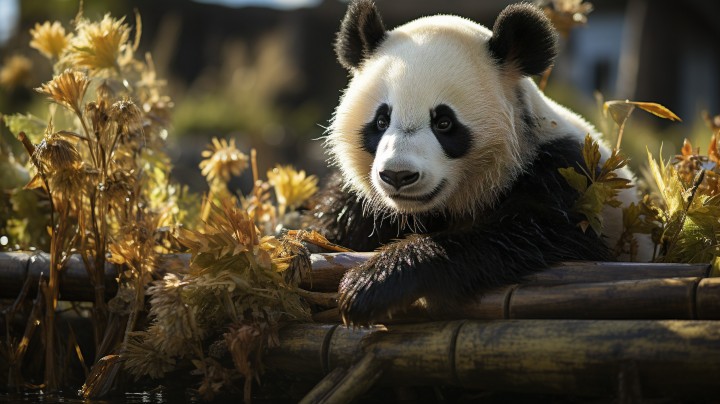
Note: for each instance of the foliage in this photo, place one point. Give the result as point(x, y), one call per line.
point(96, 184)
point(598, 185)
point(620, 111)
point(566, 14)
point(236, 284)
point(681, 211)
point(688, 205)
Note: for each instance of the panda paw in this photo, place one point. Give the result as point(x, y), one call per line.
point(371, 292)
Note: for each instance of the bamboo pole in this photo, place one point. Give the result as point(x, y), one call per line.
point(324, 387)
point(578, 357)
point(358, 380)
point(668, 298)
point(328, 269)
point(74, 282)
point(708, 299)
point(585, 290)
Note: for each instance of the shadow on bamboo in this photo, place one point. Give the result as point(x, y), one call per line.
point(577, 357)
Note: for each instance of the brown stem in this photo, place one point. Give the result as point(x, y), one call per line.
point(87, 135)
point(621, 128)
point(51, 297)
point(544, 78)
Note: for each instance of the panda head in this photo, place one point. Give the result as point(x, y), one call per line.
point(429, 120)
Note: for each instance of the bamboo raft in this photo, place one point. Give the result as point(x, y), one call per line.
point(624, 330)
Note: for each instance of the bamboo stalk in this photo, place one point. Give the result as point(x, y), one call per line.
point(358, 380)
point(708, 299)
point(584, 290)
point(669, 298)
point(324, 387)
point(75, 283)
point(328, 269)
point(577, 357)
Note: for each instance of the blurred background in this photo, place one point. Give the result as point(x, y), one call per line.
point(264, 72)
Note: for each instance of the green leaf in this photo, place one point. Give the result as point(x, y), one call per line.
point(577, 181)
point(33, 126)
point(592, 201)
point(618, 183)
point(669, 185)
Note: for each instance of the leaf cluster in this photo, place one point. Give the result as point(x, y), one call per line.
point(687, 210)
point(597, 183)
point(235, 283)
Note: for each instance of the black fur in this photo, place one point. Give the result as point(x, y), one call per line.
point(361, 32)
point(371, 133)
point(455, 142)
point(531, 227)
point(523, 39)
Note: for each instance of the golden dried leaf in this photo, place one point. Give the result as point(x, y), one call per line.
point(222, 161)
point(35, 182)
point(591, 155)
point(619, 110)
point(668, 183)
point(292, 187)
point(657, 110)
point(317, 239)
point(613, 163)
point(687, 148)
point(713, 153)
point(50, 39)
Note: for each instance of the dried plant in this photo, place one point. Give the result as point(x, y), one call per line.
point(620, 112)
point(50, 39)
point(98, 46)
point(15, 72)
point(222, 161)
point(104, 172)
point(235, 281)
point(686, 203)
point(564, 15)
point(599, 185)
point(292, 187)
point(67, 89)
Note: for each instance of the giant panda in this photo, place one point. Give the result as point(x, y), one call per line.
point(447, 158)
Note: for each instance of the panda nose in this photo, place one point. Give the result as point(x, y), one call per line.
point(399, 179)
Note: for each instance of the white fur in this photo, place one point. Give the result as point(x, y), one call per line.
point(444, 60)
point(428, 61)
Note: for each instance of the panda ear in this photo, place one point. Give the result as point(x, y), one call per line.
point(361, 32)
point(523, 40)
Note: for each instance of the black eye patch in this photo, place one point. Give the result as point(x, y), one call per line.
point(372, 131)
point(454, 137)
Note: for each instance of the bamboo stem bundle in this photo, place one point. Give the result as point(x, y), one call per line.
point(585, 290)
point(354, 382)
point(328, 269)
point(578, 357)
point(74, 282)
point(667, 298)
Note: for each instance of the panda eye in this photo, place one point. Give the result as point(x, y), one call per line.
point(382, 122)
point(443, 124)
